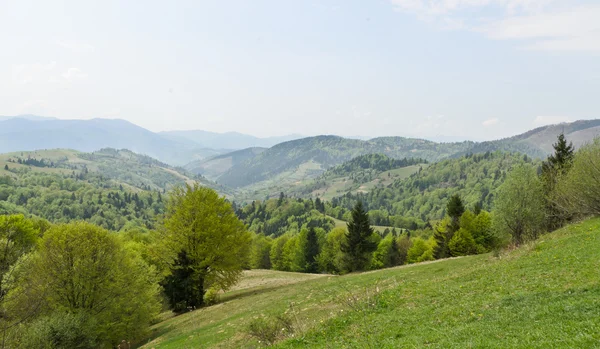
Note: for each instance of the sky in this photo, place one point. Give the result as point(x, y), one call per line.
point(437, 69)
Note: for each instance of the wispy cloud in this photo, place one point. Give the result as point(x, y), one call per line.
point(490, 122)
point(557, 25)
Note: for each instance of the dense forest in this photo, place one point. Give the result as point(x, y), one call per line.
point(422, 197)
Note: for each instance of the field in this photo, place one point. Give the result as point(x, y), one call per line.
point(543, 295)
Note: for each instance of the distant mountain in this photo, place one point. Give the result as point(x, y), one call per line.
point(23, 134)
point(217, 165)
point(294, 161)
point(228, 140)
point(308, 157)
point(27, 117)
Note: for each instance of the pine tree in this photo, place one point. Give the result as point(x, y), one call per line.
point(310, 251)
point(358, 246)
point(6, 167)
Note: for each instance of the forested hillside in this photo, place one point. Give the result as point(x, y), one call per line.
point(215, 166)
point(360, 174)
point(423, 196)
point(110, 188)
point(312, 156)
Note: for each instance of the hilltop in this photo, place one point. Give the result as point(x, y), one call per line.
point(293, 162)
point(545, 294)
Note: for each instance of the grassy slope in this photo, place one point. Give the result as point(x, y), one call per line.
point(544, 295)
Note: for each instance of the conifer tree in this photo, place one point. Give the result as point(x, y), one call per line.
point(445, 230)
point(358, 246)
point(556, 165)
point(311, 251)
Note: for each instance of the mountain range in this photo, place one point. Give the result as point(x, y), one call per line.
point(250, 163)
point(32, 132)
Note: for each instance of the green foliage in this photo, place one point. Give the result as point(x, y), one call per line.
point(420, 251)
point(310, 250)
point(61, 330)
point(260, 252)
point(208, 245)
point(276, 217)
point(331, 258)
point(578, 191)
point(83, 269)
point(61, 199)
point(276, 254)
point(424, 196)
point(329, 151)
point(386, 255)
point(555, 167)
point(462, 243)
point(358, 244)
point(519, 206)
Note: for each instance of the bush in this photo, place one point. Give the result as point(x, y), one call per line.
point(269, 330)
point(211, 296)
point(60, 330)
point(578, 192)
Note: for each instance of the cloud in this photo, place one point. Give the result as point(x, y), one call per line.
point(552, 25)
point(550, 119)
point(490, 122)
point(74, 74)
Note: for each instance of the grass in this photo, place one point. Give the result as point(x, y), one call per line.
point(542, 295)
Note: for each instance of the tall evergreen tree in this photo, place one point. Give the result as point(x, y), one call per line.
point(444, 232)
point(556, 165)
point(358, 245)
point(563, 155)
point(395, 257)
point(311, 251)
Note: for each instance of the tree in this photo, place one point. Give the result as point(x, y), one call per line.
point(310, 249)
point(462, 243)
point(455, 210)
point(563, 155)
point(556, 166)
point(260, 252)
point(358, 244)
point(519, 205)
point(578, 192)
point(18, 236)
point(82, 269)
point(276, 253)
point(331, 258)
point(442, 234)
point(445, 230)
point(420, 251)
point(207, 242)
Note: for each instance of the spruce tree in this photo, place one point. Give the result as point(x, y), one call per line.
point(556, 165)
point(445, 230)
point(358, 246)
point(310, 251)
point(395, 257)
point(563, 155)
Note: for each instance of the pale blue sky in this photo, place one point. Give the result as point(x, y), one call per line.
point(466, 69)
